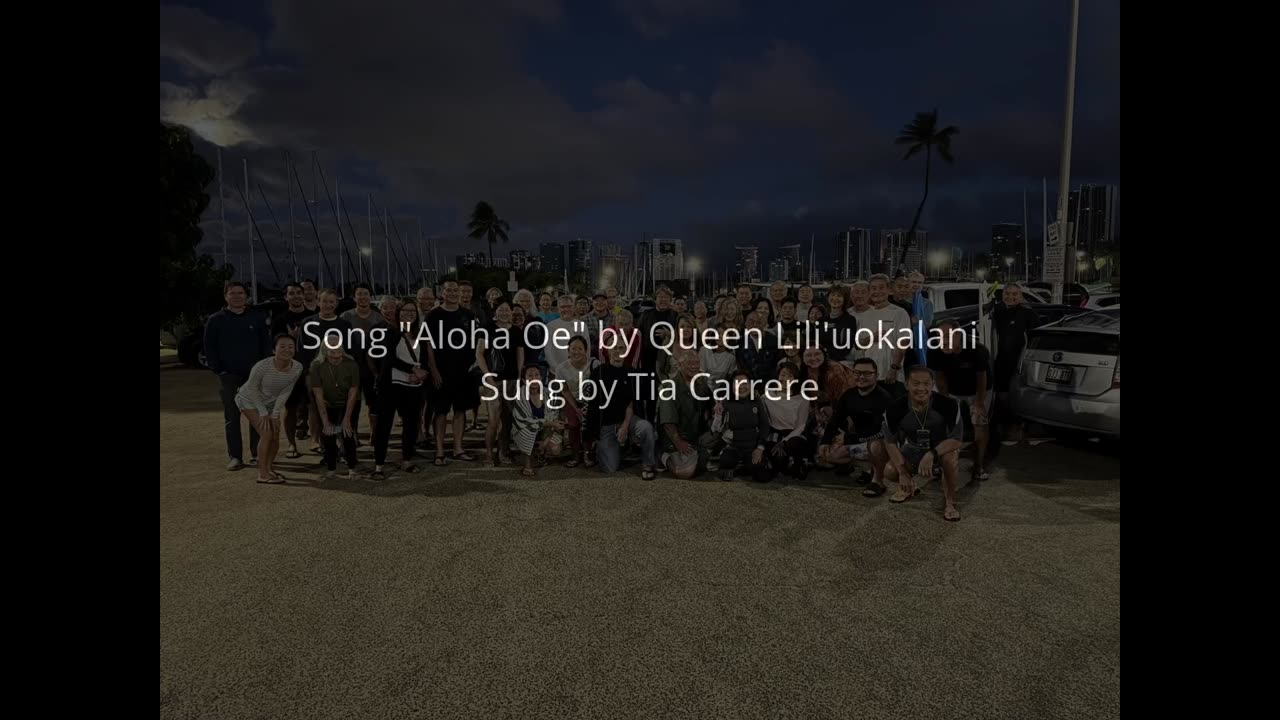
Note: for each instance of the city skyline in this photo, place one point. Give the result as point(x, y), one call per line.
point(776, 127)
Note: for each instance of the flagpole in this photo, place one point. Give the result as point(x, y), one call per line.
point(222, 209)
point(1026, 254)
point(253, 273)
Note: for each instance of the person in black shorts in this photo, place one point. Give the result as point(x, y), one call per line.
point(921, 431)
point(289, 323)
point(450, 358)
point(503, 355)
point(962, 373)
point(857, 423)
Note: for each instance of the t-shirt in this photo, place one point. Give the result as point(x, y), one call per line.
point(287, 321)
point(534, 335)
point(557, 350)
point(361, 343)
point(904, 304)
point(311, 339)
point(649, 351)
point(840, 336)
point(335, 380)
point(624, 393)
point(573, 376)
point(961, 369)
point(941, 420)
point(886, 321)
point(684, 411)
point(453, 354)
point(504, 362)
point(866, 412)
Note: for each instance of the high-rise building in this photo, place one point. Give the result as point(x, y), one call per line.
point(580, 261)
point(851, 254)
point(521, 260)
point(613, 266)
point(778, 269)
point(466, 259)
point(795, 268)
point(748, 265)
point(552, 257)
point(668, 259)
point(891, 242)
point(1008, 251)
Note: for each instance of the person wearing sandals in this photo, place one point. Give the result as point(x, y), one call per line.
point(964, 375)
point(400, 391)
point(923, 430)
point(618, 422)
point(502, 355)
point(538, 429)
point(335, 383)
point(856, 428)
point(788, 418)
point(573, 371)
point(453, 388)
point(262, 398)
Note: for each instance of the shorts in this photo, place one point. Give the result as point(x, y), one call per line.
point(859, 451)
point(966, 408)
point(301, 394)
point(458, 394)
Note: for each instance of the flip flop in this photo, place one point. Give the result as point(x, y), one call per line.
point(292, 454)
point(464, 457)
point(648, 475)
point(901, 496)
point(951, 515)
point(440, 462)
point(527, 472)
point(272, 479)
point(875, 489)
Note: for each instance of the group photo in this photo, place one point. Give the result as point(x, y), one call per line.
point(639, 359)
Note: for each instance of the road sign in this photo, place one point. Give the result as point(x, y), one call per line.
point(1053, 254)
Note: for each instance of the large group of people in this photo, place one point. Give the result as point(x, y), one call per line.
point(800, 387)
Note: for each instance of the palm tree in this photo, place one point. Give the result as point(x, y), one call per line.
point(486, 224)
point(924, 133)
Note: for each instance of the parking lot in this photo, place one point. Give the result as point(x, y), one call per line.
point(473, 592)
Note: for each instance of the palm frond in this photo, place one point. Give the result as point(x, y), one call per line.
point(914, 149)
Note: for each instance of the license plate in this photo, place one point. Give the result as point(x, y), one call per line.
point(1059, 374)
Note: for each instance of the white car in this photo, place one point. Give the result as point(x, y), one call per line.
point(1105, 300)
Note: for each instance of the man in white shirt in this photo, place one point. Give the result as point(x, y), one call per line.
point(884, 320)
point(557, 352)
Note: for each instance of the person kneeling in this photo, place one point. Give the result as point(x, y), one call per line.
point(921, 431)
point(743, 423)
point(539, 431)
point(617, 421)
point(684, 422)
point(857, 420)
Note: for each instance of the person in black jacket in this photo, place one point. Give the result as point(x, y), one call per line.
point(400, 390)
point(235, 339)
point(742, 424)
point(1011, 320)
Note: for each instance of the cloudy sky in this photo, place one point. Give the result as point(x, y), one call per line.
point(716, 121)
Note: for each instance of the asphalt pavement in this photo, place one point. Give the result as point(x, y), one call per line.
point(471, 592)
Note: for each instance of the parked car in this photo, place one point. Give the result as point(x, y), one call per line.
point(1103, 300)
point(945, 296)
point(968, 316)
point(1072, 294)
point(191, 344)
point(1069, 375)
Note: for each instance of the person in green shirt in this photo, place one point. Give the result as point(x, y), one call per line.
point(335, 384)
point(686, 434)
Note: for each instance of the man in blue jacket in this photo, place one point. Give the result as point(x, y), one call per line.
point(235, 338)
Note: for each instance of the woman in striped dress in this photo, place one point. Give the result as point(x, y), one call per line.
point(262, 398)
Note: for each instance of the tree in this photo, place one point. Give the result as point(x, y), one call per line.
point(190, 284)
point(486, 224)
point(923, 133)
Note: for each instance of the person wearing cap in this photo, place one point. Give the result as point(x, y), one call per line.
point(599, 318)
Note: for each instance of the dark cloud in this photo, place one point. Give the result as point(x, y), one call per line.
point(658, 18)
point(204, 44)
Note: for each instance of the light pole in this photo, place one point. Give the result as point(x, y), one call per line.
point(1064, 179)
